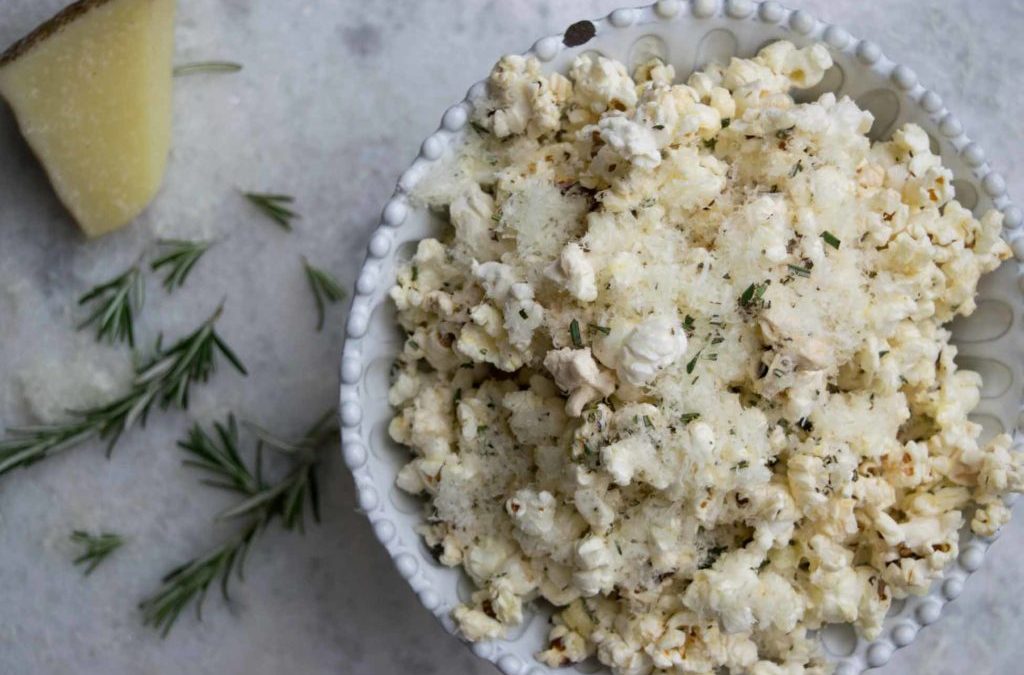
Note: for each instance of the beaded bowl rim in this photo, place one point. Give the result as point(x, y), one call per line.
point(924, 610)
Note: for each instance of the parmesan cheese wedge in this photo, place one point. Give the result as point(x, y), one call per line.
point(91, 90)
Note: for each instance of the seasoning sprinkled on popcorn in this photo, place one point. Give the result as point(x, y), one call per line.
point(680, 367)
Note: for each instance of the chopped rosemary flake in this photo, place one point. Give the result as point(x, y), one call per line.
point(831, 239)
point(799, 271)
point(523, 314)
point(496, 216)
point(713, 554)
point(574, 333)
point(710, 143)
point(659, 127)
point(753, 294)
point(717, 340)
point(712, 356)
point(747, 295)
point(415, 273)
point(693, 363)
point(743, 464)
point(647, 422)
point(797, 168)
point(883, 353)
point(207, 67)
point(688, 324)
point(783, 134)
point(686, 418)
point(726, 121)
point(603, 330)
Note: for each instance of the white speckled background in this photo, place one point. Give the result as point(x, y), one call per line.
point(333, 103)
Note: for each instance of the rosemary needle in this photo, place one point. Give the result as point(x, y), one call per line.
point(179, 258)
point(207, 67)
point(574, 334)
point(325, 288)
point(165, 380)
point(217, 455)
point(96, 548)
point(117, 302)
point(275, 207)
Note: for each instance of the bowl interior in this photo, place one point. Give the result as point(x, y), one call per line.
point(987, 343)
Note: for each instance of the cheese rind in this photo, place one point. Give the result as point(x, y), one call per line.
point(91, 90)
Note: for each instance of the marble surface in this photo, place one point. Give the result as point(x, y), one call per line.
point(332, 104)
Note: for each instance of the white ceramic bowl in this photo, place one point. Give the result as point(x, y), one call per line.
point(687, 35)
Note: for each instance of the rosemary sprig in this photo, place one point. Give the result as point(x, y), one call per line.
point(263, 503)
point(207, 67)
point(179, 258)
point(164, 380)
point(275, 207)
point(96, 548)
point(218, 455)
point(190, 581)
point(325, 287)
point(117, 302)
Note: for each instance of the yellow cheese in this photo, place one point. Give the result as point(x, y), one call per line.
point(91, 90)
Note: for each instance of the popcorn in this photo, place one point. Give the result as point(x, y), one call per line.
point(575, 273)
point(475, 625)
point(521, 99)
point(533, 513)
point(576, 372)
point(595, 559)
point(633, 142)
point(471, 214)
point(679, 366)
point(651, 347)
point(601, 84)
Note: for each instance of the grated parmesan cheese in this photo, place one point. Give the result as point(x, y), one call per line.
point(680, 366)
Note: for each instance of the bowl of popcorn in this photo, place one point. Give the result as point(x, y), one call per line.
point(684, 347)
